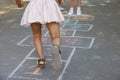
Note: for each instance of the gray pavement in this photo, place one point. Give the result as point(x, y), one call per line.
point(90, 44)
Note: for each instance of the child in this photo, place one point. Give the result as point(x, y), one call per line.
point(47, 12)
point(71, 11)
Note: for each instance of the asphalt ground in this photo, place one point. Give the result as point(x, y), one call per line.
point(90, 44)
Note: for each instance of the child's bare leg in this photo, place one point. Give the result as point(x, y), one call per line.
point(71, 10)
point(54, 33)
point(55, 37)
point(78, 7)
point(79, 3)
point(37, 34)
point(71, 3)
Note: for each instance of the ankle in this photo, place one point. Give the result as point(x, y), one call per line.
point(78, 11)
point(56, 45)
point(41, 57)
point(70, 11)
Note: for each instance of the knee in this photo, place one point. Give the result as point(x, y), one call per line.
point(55, 37)
point(36, 35)
point(56, 41)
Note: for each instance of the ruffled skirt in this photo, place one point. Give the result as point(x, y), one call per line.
point(42, 11)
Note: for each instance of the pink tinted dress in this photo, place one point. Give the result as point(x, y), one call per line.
point(42, 11)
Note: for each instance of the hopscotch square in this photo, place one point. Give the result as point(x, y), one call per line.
point(83, 17)
point(78, 42)
point(84, 33)
point(29, 71)
point(28, 41)
point(67, 41)
point(78, 27)
point(65, 51)
point(65, 33)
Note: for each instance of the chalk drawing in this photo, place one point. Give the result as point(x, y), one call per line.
point(47, 51)
point(66, 32)
point(70, 41)
point(35, 72)
point(83, 17)
point(63, 33)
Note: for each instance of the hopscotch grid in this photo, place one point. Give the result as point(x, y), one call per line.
point(67, 61)
point(10, 76)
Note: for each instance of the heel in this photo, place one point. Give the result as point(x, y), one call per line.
point(41, 63)
point(56, 58)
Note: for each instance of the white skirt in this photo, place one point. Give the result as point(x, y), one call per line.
point(42, 11)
